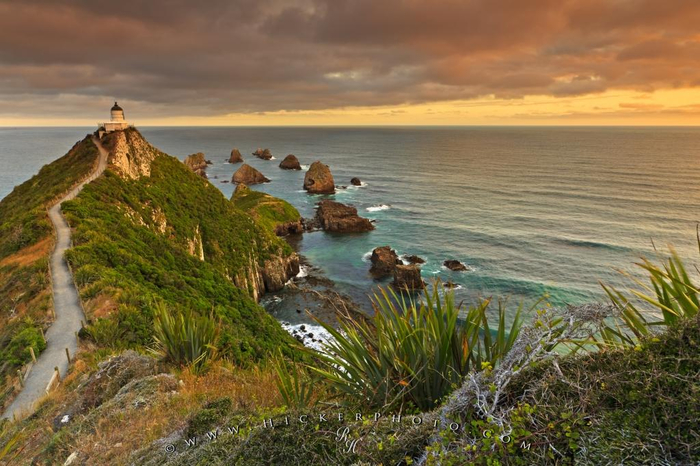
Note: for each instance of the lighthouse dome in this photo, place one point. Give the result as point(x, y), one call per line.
point(116, 113)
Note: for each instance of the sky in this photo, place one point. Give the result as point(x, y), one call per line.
point(351, 62)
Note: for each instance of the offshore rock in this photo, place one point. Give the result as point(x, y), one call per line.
point(290, 162)
point(455, 265)
point(413, 259)
point(384, 261)
point(356, 182)
point(264, 154)
point(319, 180)
point(341, 218)
point(407, 277)
point(235, 157)
point(248, 175)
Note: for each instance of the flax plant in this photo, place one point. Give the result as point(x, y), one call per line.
point(413, 351)
point(184, 338)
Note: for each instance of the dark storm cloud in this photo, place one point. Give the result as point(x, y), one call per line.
point(218, 56)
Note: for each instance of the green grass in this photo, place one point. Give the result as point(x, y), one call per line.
point(267, 210)
point(23, 216)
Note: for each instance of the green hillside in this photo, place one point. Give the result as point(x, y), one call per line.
point(140, 242)
point(26, 240)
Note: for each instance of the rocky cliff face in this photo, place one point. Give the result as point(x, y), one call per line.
point(130, 154)
point(269, 277)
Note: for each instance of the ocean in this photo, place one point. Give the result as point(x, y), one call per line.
point(530, 210)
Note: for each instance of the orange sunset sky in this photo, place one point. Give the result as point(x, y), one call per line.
point(351, 62)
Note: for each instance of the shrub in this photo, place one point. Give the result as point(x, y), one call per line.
point(410, 351)
point(17, 351)
point(672, 293)
point(183, 337)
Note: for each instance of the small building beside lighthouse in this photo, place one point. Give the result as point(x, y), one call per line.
point(116, 122)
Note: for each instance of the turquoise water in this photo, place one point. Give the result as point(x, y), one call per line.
point(530, 210)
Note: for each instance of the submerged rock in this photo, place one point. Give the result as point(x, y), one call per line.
point(197, 163)
point(319, 180)
point(248, 175)
point(337, 217)
point(235, 157)
point(407, 277)
point(290, 162)
point(264, 154)
point(455, 265)
point(384, 261)
point(356, 182)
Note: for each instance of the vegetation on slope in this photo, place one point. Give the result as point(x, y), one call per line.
point(139, 244)
point(26, 239)
point(269, 211)
point(23, 213)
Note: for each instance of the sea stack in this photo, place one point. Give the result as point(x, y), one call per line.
point(290, 162)
point(407, 277)
point(319, 180)
point(264, 154)
point(248, 175)
point(235, 157)
point(384, 261)
point(341, 218)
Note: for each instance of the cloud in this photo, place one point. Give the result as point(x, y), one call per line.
point(220, 57)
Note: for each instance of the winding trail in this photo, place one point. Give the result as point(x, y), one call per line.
point(66, 302)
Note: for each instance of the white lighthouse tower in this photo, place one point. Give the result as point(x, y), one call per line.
point(116, 122)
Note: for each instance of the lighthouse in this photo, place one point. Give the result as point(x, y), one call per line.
point(116, 122)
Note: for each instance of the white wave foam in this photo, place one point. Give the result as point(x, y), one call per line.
point(366, 256)
point(317, 341)
point(303, 271)
point(304, 167)
point(273, 158)
point(377, 208)
point(470, 268)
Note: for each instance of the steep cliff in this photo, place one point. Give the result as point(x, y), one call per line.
point(129, 153)
point(150, 230)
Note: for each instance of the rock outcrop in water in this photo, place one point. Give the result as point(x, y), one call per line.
point(407, 277)
point(356, 181)
point(384, 262)
point(264, 154)
point(248, 175)
point(235, 157)
point(197, 163)
point(290, 162)
point(413, 259)
point(455, 265)
point(336, 217)
point(319, 180)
